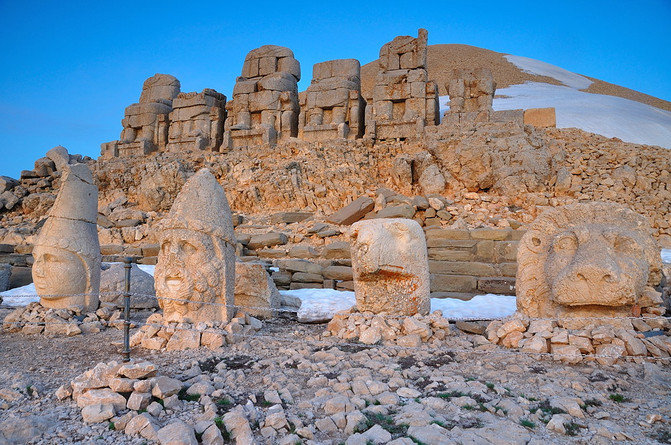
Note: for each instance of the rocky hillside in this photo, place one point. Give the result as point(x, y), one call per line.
point(494, 175)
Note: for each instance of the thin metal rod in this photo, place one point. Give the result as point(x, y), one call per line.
point(126, 310)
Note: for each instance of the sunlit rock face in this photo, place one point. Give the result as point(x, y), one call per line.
point(390, 267)
point(66, 269)
point(588, 259)
point(195, 274)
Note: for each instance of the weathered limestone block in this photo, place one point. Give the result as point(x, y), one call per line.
point(195, 274)
point(352, 212)
point(145, 124)
point(197, 121)
point(255, 291)
point(332, 106)
point(540, 117)
point(264, 108)
point(390, 267)
point(66, 268)
point(112, 281)
point(588, 259)
point(471, 91)
point(404, 101)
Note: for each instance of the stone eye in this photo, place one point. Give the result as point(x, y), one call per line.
point(189, 249)
point(165, 247)
point(565, 243)
point(625, 244)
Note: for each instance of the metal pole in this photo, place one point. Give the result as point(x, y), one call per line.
point(126, 310)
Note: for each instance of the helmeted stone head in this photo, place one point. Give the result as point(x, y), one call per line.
point(66, 269)
point(195, 274)
point(587, 259)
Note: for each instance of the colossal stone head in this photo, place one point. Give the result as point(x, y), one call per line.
point(390, 267)
point(587, 259)
point(195, 274)
point(66, 269)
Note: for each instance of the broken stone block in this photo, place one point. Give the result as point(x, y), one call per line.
point(352, 212)
point(255, 291)
point(540, 117)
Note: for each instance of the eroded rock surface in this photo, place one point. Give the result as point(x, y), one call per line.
point(390, 266)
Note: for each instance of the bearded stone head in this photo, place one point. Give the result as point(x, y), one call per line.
point(195, 273)
point(587, 259)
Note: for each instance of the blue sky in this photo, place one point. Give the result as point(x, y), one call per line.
point(69, 68)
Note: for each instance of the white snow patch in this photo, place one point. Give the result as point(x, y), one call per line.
point(20, 296)
point(480, 307)
point(533, 66)
point(319, 305)
point(666, 255)
point(608, 116)
point(147, 268)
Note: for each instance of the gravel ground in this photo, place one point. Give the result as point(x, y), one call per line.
point(295, 387)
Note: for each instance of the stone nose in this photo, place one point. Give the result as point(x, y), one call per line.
point(38, 268)
point(597, 273)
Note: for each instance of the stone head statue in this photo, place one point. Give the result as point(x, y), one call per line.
point(390, 267)
point(66, 269)
point(161, 88)
point(196, 261)
point(586, 259)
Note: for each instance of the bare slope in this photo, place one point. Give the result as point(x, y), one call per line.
point(444, 58)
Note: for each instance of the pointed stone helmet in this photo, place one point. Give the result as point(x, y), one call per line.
point(201, 206)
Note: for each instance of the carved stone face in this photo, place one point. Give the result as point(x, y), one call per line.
point(60, 277)
point(189, 268)
point(390, 267)
point(587, 259)
point(596, 265)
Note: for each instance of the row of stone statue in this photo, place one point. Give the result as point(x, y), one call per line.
point(266, 106)
point(581, 260)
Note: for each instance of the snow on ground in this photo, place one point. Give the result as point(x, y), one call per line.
point(666, 255)
point(608, 116)
point(480, 307)
point(20, 296)
point(533, 66)
point(147, 268)
point(319, 305)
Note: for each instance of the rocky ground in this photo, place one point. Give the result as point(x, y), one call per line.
point(292, 385)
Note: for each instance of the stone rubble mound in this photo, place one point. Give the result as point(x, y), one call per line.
point(170, 336)
point(133, 398)
point(370, 329)
point(608, 340)
point(36, 319)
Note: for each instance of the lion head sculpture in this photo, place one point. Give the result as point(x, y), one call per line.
point(587, 259)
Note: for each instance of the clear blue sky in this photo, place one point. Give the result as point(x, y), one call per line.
point(70, 67)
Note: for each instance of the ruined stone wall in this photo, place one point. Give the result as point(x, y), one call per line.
point(603, 169)
point(462, 262)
